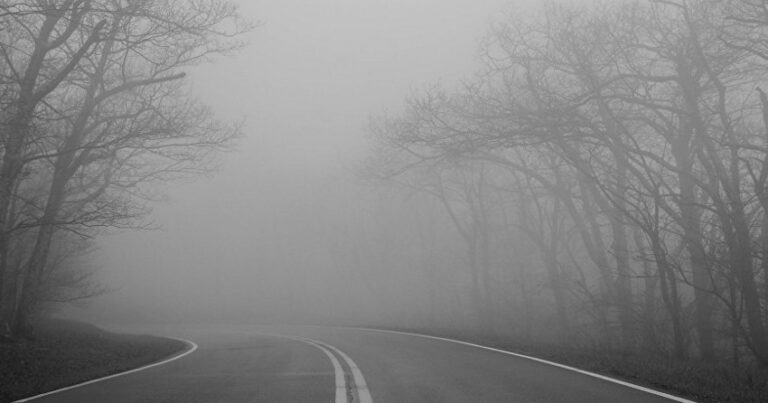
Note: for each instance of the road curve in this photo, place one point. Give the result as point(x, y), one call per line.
point(302, 364)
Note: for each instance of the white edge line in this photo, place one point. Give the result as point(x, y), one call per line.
point(362, 388)
point(581, 371)
point(191, 348)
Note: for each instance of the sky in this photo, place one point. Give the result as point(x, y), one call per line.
point(306, 83)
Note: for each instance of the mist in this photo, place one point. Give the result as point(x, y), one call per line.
point(294, 185)
point(286, 228)
point(573, 173)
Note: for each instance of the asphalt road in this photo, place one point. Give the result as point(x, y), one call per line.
point(308, 364)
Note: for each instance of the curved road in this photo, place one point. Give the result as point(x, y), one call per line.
point(312, 364)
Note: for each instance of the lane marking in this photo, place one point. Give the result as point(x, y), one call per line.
point(581, 371)
point(360, 385)
point(341, 381)
point(191, 348)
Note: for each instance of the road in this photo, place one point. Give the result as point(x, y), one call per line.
point(315, 364)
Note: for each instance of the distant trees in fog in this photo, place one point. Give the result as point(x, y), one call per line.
point(624, 152)
point(93, 106)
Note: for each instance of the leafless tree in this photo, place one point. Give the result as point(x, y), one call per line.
point(114, 116)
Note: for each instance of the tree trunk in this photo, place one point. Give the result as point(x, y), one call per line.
point(9, 172)
point(650, 282)
point(30, 94)
point(741, 256)
point(694, 244)
point(670, 296)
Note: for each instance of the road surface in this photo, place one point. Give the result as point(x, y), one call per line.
point(315, 364)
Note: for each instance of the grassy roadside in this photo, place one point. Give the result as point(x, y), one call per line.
point(698, 381)
point(62, 353)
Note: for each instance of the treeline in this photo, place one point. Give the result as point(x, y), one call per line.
point(616, 155)
point(93, 107)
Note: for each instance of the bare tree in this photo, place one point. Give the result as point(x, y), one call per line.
point(119, 118)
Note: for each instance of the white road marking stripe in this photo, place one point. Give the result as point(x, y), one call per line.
point(360, 385)
point(581, 371)
point(341, 385)
point(192, 348)
point(341, 381)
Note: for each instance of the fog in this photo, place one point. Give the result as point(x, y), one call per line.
point(566, 176)
point(276, 232)
point(581, 173)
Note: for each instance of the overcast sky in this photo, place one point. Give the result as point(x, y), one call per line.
point(308, 80)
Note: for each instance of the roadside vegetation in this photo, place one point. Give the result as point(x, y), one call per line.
point(95, 111)
point(691, 379)
point(600, 189)
point(60, 353)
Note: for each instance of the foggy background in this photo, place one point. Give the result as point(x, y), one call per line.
point(280, 230)
point(574, 176)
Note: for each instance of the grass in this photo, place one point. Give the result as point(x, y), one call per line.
point(61, 353)
point(695, 380)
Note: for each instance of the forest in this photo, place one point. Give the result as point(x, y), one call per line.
point(604, 177)
point(600, 180)
point(93, 111)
